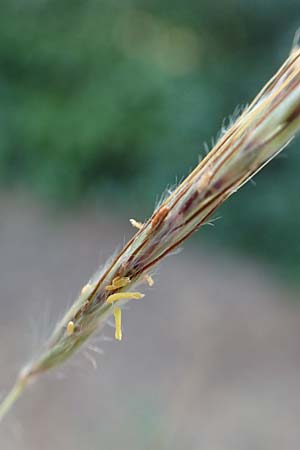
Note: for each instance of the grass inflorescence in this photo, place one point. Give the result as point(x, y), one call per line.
point(263, 129)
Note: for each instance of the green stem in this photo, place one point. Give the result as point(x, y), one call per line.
point(12, 396)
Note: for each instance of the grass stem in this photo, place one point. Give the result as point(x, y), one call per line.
point(13, 396)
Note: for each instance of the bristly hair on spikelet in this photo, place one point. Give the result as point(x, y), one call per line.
point(262, 130)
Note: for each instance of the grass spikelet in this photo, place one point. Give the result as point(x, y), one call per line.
point(262, 130)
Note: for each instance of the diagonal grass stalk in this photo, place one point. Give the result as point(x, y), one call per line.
point(265, 127)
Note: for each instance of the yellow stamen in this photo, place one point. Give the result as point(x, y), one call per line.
point(118, 323)
point(123, 296)
point(136, 224)
point(70, 328)
point(149, 280)
point(118, 283)
point(117, 310)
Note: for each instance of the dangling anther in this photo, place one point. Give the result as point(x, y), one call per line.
point(136, 224)
point(118, 323)
point(149, 280)
point(123, 296)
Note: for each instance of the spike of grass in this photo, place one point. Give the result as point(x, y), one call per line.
point(257, 136)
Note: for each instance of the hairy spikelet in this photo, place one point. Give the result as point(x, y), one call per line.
point(262, 130)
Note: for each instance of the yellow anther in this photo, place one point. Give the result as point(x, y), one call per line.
point(110, 287)
point(118, 283)
point(70, 328)
point(123, 296)
point(117, 310)
point(149, 280)
point(118, 323)
point(136, 224)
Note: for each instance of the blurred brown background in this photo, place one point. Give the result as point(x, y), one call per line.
point(209, 360)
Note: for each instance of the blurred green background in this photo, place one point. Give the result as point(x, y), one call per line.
point(108, 102)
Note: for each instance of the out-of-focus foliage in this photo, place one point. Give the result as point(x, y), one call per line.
point(113, 99)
